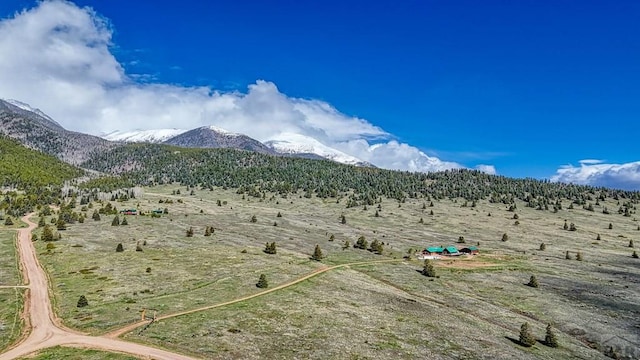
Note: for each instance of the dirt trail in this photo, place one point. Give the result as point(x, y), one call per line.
point(45, 329)
point(119, 332)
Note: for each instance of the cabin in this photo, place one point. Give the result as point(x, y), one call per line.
point(471, 250)
point(451, 251)
point(433, 250)
point(129, 212)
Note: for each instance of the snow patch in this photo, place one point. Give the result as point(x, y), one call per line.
point(27, 107)
point(151, 136)
point(290, 143)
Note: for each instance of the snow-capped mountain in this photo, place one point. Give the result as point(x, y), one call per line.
point(215, 137)
point(151, 136)
point(27, 107)
point(291, 143)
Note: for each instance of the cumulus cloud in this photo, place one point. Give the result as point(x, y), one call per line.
point(594, 172)
point(57, 57)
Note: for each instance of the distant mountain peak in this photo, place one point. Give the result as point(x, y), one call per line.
point(26, 107)
point(292, 143)
point(221, 130)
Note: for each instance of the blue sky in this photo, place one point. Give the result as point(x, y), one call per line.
point(526, 86)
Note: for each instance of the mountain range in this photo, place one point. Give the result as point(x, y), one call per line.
point(35, 129)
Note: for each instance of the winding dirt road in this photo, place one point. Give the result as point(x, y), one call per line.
point(47, 330)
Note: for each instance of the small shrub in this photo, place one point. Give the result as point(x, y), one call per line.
point(82, 301)
point(567, 255)
point(317, 254)
point(254, 219)
point(543, 247)
point(579, 256)
point(115, 221)
point(461, 240)
point(119, 248)
point(189, 232)
point(505, 237)
point(8, 221)
point(598, 237)
point(635, 254)
point(533, 282)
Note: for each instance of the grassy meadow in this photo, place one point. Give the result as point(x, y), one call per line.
point(473, 309)
point(10, 298)
point(66, 353)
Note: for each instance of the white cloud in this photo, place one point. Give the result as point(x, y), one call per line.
point(487, 169)
point(57, 57)
point(622, 176)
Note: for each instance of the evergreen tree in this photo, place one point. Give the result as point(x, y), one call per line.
point(279, 214)
point(634, 255)
point(254, 219)
point(262, 282)
point(346, 245)
point(428, 270)
point(317, 254)
point(332, 237)
point(47, 234)
point(598, 237)
point(82, 301)
point(124, 221)
point(190, 232)
point(579, 256)
point(543, 247)
point(630, 243)
point(361, 243)
point(567, 255)
point(533, 281)
point(60, 224)
point(343, 220)
point(376, 247)
point(505, 237)
point(34, 237)
point(550, 338)
point(610, 226)
point(207, 231)
point(41, 222)
point(572, 227)
point(116, 221)
point(8, 221)
point(96, 215)
point(119, 248)
point(526, 338)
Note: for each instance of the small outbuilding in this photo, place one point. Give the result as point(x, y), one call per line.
point(472, 250)
point(129, 212)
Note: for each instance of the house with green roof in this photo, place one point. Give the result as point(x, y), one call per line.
point(451, 251)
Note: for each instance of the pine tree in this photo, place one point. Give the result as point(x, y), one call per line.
point(82, 301)
point(119, 248)
point(317, 254)
point(526, 338)
point(634, 255)
point(428, 270)
point(270, 248)
point(332, 237)
point(376, 247)
point(41, 222)
point(343, 220)
point(533, 281)
point(96, 215)
point(207, 231)
point(60, 224)
point(598, 237)
point(630, 243)
point(262, 282)
point(543, 247)
point(346, 245)
point(610, 226)
point(190, 232)
point(254, 219)
point(124, 221)
point(361, 243)
point(116, 221)
point(579, 256)
point(279, 214)
point(567, 255)
point(47, 234)
point(550, 338)
point(505, 237)
point(8, 221)
point(138, 247)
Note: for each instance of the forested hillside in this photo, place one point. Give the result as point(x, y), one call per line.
point(22, 167)
point(255, 174)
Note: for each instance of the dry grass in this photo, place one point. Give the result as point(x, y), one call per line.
point(381, 311)
point(76, 354)
point(10, 298)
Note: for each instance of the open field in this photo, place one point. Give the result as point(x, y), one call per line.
point(10, 298)
point(376, 311)
point(66, 353)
